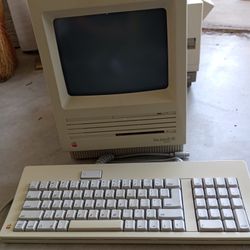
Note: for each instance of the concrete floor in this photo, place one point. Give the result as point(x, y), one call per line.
point(218, 119)
point(229, 14)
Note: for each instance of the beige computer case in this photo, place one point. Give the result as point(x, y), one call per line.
point(121, 123)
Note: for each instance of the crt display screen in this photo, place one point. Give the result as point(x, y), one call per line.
point(113, 53)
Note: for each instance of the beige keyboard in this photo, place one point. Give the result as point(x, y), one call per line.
point(184, 202)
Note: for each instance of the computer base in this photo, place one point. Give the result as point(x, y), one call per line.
point(79, 155)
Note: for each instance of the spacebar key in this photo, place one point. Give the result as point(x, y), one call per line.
point(95, 225)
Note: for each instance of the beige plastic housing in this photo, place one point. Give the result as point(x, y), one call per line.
point(183, 170)
point(119, 123)
point(197, 12)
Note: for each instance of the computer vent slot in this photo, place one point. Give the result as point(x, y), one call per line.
point(121, 127)
point(123, 151)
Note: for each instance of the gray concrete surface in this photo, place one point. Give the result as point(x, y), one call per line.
point(229, 14)
point(218, 121)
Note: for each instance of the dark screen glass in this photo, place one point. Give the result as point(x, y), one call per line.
point(113, 53)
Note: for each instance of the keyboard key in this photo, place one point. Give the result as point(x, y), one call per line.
point(34, 185)
point(241, 220)
point(31, 226)
point(201, 214)
point(131, 194)
point(147, 183)
point(33, 195)
point(44, 185)
point(62, 226)
point(77, 194)
point(210, 226)
point(172, 214)
point(104, 214)
point(154, 225)
point(220, 182)
point(224, 203)
point(158, 183)
point(129, 225)
point(57, 204)
point(116, 214)
point(175, 201)
point(234, 193)
point(142, 193)
point(222, 193)
point(99, 194)
point(208, 182)
point(214, 213)
point(145, 203)
point(47, 226)
point(111, 203)
point(67, 194)
point(133, 203)
point(56, 195)
point(153, 193)
point(197, 183)
point(210, 193)
point(91, 174)
point(31, 205)
point(53, 185)
point(46, 204)
point(94, 184)
point(88, 194)
point(67, 204)
point(70, 214)
point(82, 214)
point(95, 225)
point(151, 214)
point(164, 193)
point(115, 184)
point(60, 214)
point(93, 214)
point(105, 184)
point(199, 193)
point(200, 203)
point(122, 203)
point(109, 194)
point(227, 214)
point(141, 225)
point(156, 203)
point(166, 225)
point(230, 226)
point(74, 185)
point(126, 184)
point(212, 203)
point(46, 195)
point(120, 194)
point(31, 215)
point(127, 214)
point(64, 185)
point(231, 182)
point(136, 183)
point(179, 225)
point(172, 183)
point(100, 203)
point(139, 214)
point(20, 225)
point(89, 204)
point(48, 215)
point(84, 184)
point(237, 203)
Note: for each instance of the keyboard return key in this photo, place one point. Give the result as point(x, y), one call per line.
point(95, 226)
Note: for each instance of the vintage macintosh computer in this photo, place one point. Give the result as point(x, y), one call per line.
point(116, 74)
point(116, 71)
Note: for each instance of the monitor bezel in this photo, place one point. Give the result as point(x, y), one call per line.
point(139, 98)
